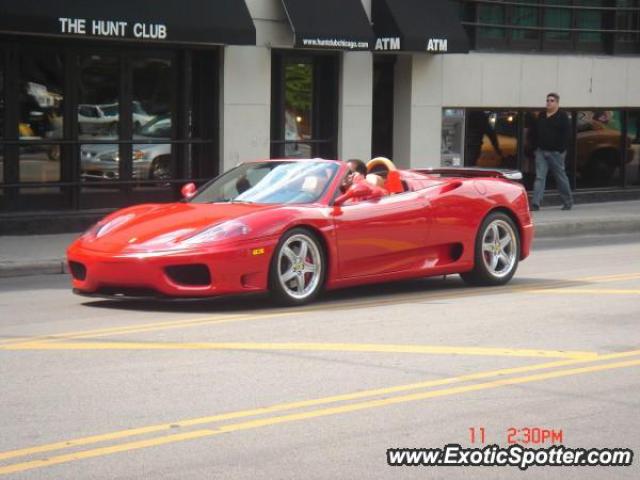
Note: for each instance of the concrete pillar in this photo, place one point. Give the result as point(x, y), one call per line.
point(402, 86)
point(355, 109)
point(245, 101)
point(417, 120)
point(426, 110)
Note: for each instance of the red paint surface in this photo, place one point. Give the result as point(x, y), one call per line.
point(395, 237)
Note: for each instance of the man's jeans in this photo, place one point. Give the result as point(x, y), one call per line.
point(546, 160)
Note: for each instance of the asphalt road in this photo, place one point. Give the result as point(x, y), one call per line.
point(238, 389)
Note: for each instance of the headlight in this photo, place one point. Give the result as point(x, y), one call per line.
point(223, 231)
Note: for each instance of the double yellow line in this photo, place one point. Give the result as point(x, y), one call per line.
point(309, 409)
point(307, 347)
point(578, 363)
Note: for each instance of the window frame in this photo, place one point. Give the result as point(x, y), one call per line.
point(67, 195)
point(325, 98)
point(610, 27)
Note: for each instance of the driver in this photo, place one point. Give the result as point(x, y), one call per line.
point(357, 166)
point(357, 172)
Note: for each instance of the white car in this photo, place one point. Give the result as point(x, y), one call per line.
point(151, 161)
point(103, 119)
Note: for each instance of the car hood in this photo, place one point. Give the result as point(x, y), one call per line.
point(163, 226)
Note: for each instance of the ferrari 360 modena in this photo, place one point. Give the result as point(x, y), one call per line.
point(297, 227)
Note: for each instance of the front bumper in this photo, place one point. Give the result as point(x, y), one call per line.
point(232, 270)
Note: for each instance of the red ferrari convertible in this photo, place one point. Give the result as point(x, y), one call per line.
point(296, 227)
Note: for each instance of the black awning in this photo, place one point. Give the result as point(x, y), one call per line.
point(329, 24)
point(418, 26)
point(184, 21)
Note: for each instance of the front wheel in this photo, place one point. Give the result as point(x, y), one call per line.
point(298, 268)
point(497, 250)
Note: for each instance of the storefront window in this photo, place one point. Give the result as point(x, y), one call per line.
point(494, 15)
point(41, 78)
point(98, 96)
point(1, 98)
point(383, 106)
point(598, 148)
point(98, 121)
point(40, 163)
point(589, 19)
point(298, 97)
point(203, 117)
point(611, 26)
point(151, 120)
point(41, 96)
point(452, 137)
point(1, 123)
point(304, 93)
point(491, 138)
point(525, 16)
point(628, 22)
point(632, 166)
point(557, 18)
point(113, 140)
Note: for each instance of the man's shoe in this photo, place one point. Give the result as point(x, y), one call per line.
point(534, 207)
point(566, 207)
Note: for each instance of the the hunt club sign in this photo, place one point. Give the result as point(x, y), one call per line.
point(187, 21)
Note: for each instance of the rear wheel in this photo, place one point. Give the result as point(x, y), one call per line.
point(298, 268)
point(497, 251)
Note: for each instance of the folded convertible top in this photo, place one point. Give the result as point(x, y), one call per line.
point(514, 175)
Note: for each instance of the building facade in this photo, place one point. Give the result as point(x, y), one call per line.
point(102, 106)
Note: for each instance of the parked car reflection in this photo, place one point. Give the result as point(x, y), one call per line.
point(150, 161)
point(598, 148)
point(103, 119)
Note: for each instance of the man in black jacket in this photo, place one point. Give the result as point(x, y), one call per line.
point(551, 139)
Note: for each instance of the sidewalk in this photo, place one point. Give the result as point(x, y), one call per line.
point(44, 254)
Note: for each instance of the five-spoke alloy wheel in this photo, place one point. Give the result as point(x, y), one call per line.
point(297, 268)
point(497, 251)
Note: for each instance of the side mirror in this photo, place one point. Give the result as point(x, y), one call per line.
point(357, 190)
point(188, 190)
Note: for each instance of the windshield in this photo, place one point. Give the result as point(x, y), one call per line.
point(110, 110)
point(159, 127)
point(270, 182)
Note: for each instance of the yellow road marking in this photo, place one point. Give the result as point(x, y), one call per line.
point(306, 347)
point(98, 452)
point(308, 403)
point(168, 325)
point(125, 328)
point(172, 324)
point(611, 278)
point(587, 291)
point(243, 317)
point(257, 423)
point(15, 340)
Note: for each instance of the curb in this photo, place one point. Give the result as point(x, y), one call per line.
point(601, 227)
point(42, 267)
point(543, 230)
